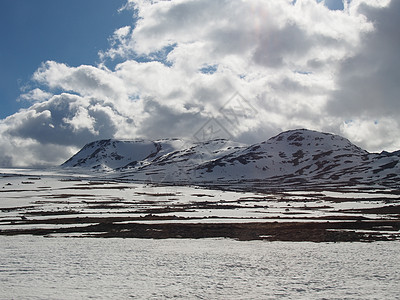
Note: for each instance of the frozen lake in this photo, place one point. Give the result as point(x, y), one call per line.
point(73, 268)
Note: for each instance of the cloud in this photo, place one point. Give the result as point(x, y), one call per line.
point(62, 120)
point(375, 135)
point(26, 152)
point(313, 64)
point(84, 80)
point(35, 95)
point(368, 81)
point(367, 86)
point(48, 132)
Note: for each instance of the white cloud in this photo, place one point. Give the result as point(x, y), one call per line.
point(299, 64)
point(374, 134)
point(80, 121)
point(84, 80)
point(35, 95)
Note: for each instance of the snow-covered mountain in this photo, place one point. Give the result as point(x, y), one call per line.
point(295, 156)
point(119, 154)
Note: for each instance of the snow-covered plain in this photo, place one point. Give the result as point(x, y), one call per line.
point(36, 263)
point(59, 268)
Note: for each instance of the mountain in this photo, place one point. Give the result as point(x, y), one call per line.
point(297, 156)
point(142, 158)
point(117, 154)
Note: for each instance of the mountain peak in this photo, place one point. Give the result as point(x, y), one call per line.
point(306, 138)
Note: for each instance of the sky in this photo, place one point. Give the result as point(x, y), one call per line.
point(77, 71)
point(37, 31)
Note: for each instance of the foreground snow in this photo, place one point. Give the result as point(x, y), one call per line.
point(76, 268)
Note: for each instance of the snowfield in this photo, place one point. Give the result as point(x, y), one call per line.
point(34, 267)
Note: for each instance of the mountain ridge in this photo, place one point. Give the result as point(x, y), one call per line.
point(299, 156)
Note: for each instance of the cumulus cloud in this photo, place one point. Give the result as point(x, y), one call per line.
point(62, 120)
point(35, 95)
point(253, 68)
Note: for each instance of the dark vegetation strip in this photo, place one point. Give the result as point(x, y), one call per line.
point(273, 231)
